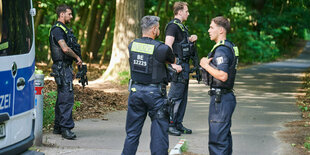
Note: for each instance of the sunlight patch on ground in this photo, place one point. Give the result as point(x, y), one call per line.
point(282, 113)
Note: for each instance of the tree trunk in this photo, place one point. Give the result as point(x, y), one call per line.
point(127, 28)
point(108, 45)
point(90, 27)
point(82, 30)
point(96, 32)
point(158, 8)
point(38, 19)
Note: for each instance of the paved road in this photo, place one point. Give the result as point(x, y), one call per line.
point(266, 100)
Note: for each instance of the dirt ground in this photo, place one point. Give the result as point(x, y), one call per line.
point(297, 133)
point(95, 100)
point(94, 103)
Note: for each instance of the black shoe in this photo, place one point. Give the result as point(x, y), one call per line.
point(184, 130)
point(56, 131)
point(173, 131)
point(68, 134)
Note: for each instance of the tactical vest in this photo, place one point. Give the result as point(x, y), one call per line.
point(181, 49)
point(144, 67)
point(229, 83)
point(56, 51)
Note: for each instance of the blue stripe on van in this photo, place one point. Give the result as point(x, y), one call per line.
point(24, 99)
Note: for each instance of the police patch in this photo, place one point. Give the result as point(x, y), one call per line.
point(219, 60)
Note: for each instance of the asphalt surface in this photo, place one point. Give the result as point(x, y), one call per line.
point(265, 101)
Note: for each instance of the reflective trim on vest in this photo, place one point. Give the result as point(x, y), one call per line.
point(180, 25)
point(236, 51)
point(142, 48)
point(222, 43)
point(62, 27)
point(229, 83)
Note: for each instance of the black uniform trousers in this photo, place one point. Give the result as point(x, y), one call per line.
point(220, 139)
point(65, 102)
point(145, 99)
point(179, 93)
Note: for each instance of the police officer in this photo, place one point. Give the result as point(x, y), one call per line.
point(62, 55)
point(178, 39)
point(148, 89)
point(221, 65)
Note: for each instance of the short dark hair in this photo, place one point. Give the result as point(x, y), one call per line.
point(62, 8)
point(177, 6)
point(223, 22)
point(148, 21)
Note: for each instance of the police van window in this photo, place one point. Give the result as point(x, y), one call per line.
point(16, 34)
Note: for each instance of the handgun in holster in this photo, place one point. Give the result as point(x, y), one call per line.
point(57, 73)
point(218, 95)
point(170, 104)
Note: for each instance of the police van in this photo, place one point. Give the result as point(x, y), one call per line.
point(17, 66)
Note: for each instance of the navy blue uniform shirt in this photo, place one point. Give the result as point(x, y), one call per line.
point(223, 58)
point(59, 33)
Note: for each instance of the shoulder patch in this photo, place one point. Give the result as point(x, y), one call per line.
point(219, 60)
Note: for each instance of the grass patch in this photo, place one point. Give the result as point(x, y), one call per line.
point(124, 77)
point(49, 109)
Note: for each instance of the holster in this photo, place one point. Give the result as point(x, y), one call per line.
point(58, 73)
point(218, 92)
point(170, 105)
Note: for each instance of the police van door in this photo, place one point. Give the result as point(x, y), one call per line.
point(17, 55)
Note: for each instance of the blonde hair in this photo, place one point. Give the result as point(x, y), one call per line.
point(177, 6)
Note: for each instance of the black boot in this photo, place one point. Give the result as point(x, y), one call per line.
point(183, 129)
point(68, 134)
point(173, 131)
point(56, 130)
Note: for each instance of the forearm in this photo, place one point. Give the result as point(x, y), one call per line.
point(218, 74)
point(71, 53)
point(67, 50)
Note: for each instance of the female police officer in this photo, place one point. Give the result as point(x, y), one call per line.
point(148, 89)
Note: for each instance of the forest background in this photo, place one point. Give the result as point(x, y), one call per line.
point(263, 30)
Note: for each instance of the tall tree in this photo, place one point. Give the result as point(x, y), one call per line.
point(128, 14)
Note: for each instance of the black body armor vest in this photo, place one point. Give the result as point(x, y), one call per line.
point(229, 83)
point(181, 49)
point(71, 41)
point(144, 67)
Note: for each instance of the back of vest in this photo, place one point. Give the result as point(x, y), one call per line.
point(144, 67)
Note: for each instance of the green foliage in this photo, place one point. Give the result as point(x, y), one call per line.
point(124, 77)
point(307, 144)
point(263, 30)
point(184, 147)
point(48, 109)
point(38, 71)
point(77, 104)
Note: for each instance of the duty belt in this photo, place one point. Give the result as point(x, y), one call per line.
point(150, 84)
point(221, 90)
point(63, 63)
